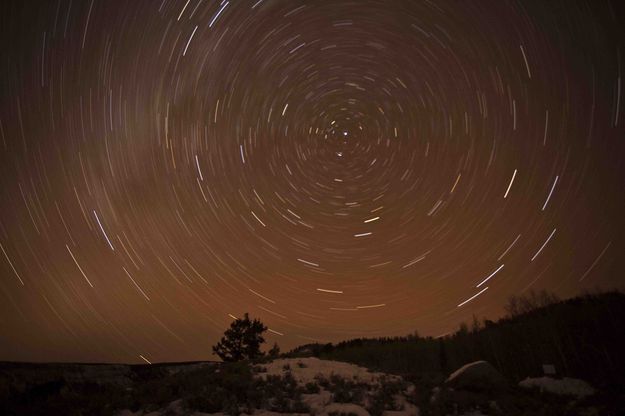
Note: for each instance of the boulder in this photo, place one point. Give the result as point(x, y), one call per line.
point(479, 375)
point(565, 386)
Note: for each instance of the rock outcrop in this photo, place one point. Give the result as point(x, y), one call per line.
point(477, 376)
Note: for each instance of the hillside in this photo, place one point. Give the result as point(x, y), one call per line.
point(582, 338)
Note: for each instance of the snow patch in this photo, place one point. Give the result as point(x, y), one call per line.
point(306, 370)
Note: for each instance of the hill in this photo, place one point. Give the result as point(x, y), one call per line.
point(582, 338)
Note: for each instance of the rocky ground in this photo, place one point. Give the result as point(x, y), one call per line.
point(328, 388)
point(287, 386)
point(332, 388)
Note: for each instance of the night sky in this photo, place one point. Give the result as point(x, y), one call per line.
point(338, 169)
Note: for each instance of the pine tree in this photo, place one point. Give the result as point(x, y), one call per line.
point(442, 355)
point(274, 352)
point(241, 341)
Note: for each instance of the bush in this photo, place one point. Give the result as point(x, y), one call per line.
point(311, 388)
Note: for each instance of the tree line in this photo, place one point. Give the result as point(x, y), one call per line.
point(581, 337)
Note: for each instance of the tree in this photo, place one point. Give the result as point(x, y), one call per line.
point(241, 341)
point(512, 307)
point(463, 330)
point(274, 352)
point(442, 355)
point(519, 305)
point(475, 326)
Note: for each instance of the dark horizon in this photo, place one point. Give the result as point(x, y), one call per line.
point(542, 303)
point(337, 170)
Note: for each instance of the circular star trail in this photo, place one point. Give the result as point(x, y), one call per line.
point(337, 169)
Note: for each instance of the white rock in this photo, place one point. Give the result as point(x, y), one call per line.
point(565, 386)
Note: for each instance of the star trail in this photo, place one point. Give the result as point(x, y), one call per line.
point(337, 169)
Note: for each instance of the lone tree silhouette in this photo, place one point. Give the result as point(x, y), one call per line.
point(242, 341)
